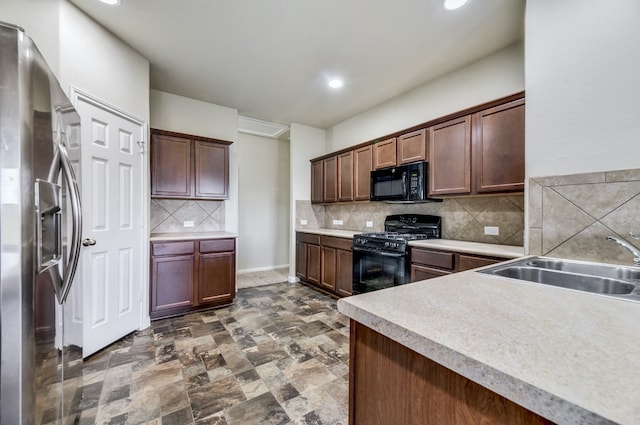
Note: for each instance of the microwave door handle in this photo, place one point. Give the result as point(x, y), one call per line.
point(405, 193)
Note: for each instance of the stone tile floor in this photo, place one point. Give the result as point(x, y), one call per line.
point(279, 355)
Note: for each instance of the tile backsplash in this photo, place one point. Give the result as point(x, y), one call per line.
point(169, 215)
point(462, 218)
point(571, 216)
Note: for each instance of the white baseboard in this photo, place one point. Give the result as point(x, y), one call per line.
point(263, 269)
point(293, 279)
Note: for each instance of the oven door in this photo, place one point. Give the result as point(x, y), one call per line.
point(373, 270)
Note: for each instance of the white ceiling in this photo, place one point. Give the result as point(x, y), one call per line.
point(270, 59)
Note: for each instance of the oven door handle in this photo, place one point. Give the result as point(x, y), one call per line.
point(382, 253)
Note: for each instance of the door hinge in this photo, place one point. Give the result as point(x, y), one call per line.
point(141, 145)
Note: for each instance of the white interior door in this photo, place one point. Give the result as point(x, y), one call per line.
point(113, 194)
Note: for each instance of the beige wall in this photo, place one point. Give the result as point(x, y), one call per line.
point(83, 54)
point(40, 20)
point(96, 62)
point(190, 116)
point(495, 76)
point(305, 143)
point(263, 202)
point(582, 111)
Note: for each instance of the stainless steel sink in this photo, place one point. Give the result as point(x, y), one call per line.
point(594, 269)
point(596, 278)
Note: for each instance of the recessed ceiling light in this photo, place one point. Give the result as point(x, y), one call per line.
point(335, 83)
point(454, 4)
point(111, 2)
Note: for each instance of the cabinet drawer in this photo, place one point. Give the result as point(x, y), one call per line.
point(217, 245)
point(468, 262)
point(334, 242)
point(440, 259)
point(172, 248)
point(308, 238)
point(424, 273)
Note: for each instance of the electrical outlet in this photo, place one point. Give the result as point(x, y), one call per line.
point(334, 222)
point(188, 223)
point(339, 222)
point(491, 230)
point(368, 223)
point(303, 222)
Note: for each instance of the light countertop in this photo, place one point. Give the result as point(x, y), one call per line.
point(331, 232)
point(569, 356)
point(494, 250)
point(190, 236)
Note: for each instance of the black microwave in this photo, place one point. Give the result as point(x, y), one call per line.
point(404, 183)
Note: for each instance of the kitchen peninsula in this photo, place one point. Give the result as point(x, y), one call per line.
point(431, 349)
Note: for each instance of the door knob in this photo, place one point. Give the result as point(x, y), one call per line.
point(88, 242)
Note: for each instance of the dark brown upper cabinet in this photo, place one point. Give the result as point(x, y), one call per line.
point(498, 148)
point(385, 153)
point(412, 147)
point(477, 151)
point(362, 162)
point(187, 166)
point(171, 174)
point(330, 179)
point(450, 157)
point(480, 153)
point(345, 176)
point(317, 181)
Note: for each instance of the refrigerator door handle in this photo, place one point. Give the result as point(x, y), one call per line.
point(76, 222)
point(62, 164)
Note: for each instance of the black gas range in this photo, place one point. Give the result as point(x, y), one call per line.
point(382, 260)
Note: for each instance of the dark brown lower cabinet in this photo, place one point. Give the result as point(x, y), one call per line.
point(171, 284)
point(430, 263)
point(217, 271)
point(344, 274)
point(325, 262)
point(308, 257)
point(391, 384)
point(191, 275)
point(329, 263)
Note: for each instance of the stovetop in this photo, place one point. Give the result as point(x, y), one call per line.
point(399, 230)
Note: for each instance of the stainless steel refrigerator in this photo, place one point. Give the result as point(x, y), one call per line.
point(39, 229)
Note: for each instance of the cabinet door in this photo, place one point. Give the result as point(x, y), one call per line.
point(498, 152)
point(211, 170)
point(330, 179)
point(217, 277)
point(412, 147)
point(424, 273)
point(468, 262)
point(317, 181)
point(170, 166)
point(450, 157)
point(329, 263)
point(344, 272)
point(172, 282)
point(313, 264)
point(384, 153)
point(362, 162)
point(301, 260)
point(345, 176)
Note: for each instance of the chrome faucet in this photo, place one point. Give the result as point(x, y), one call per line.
point(632, 249)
